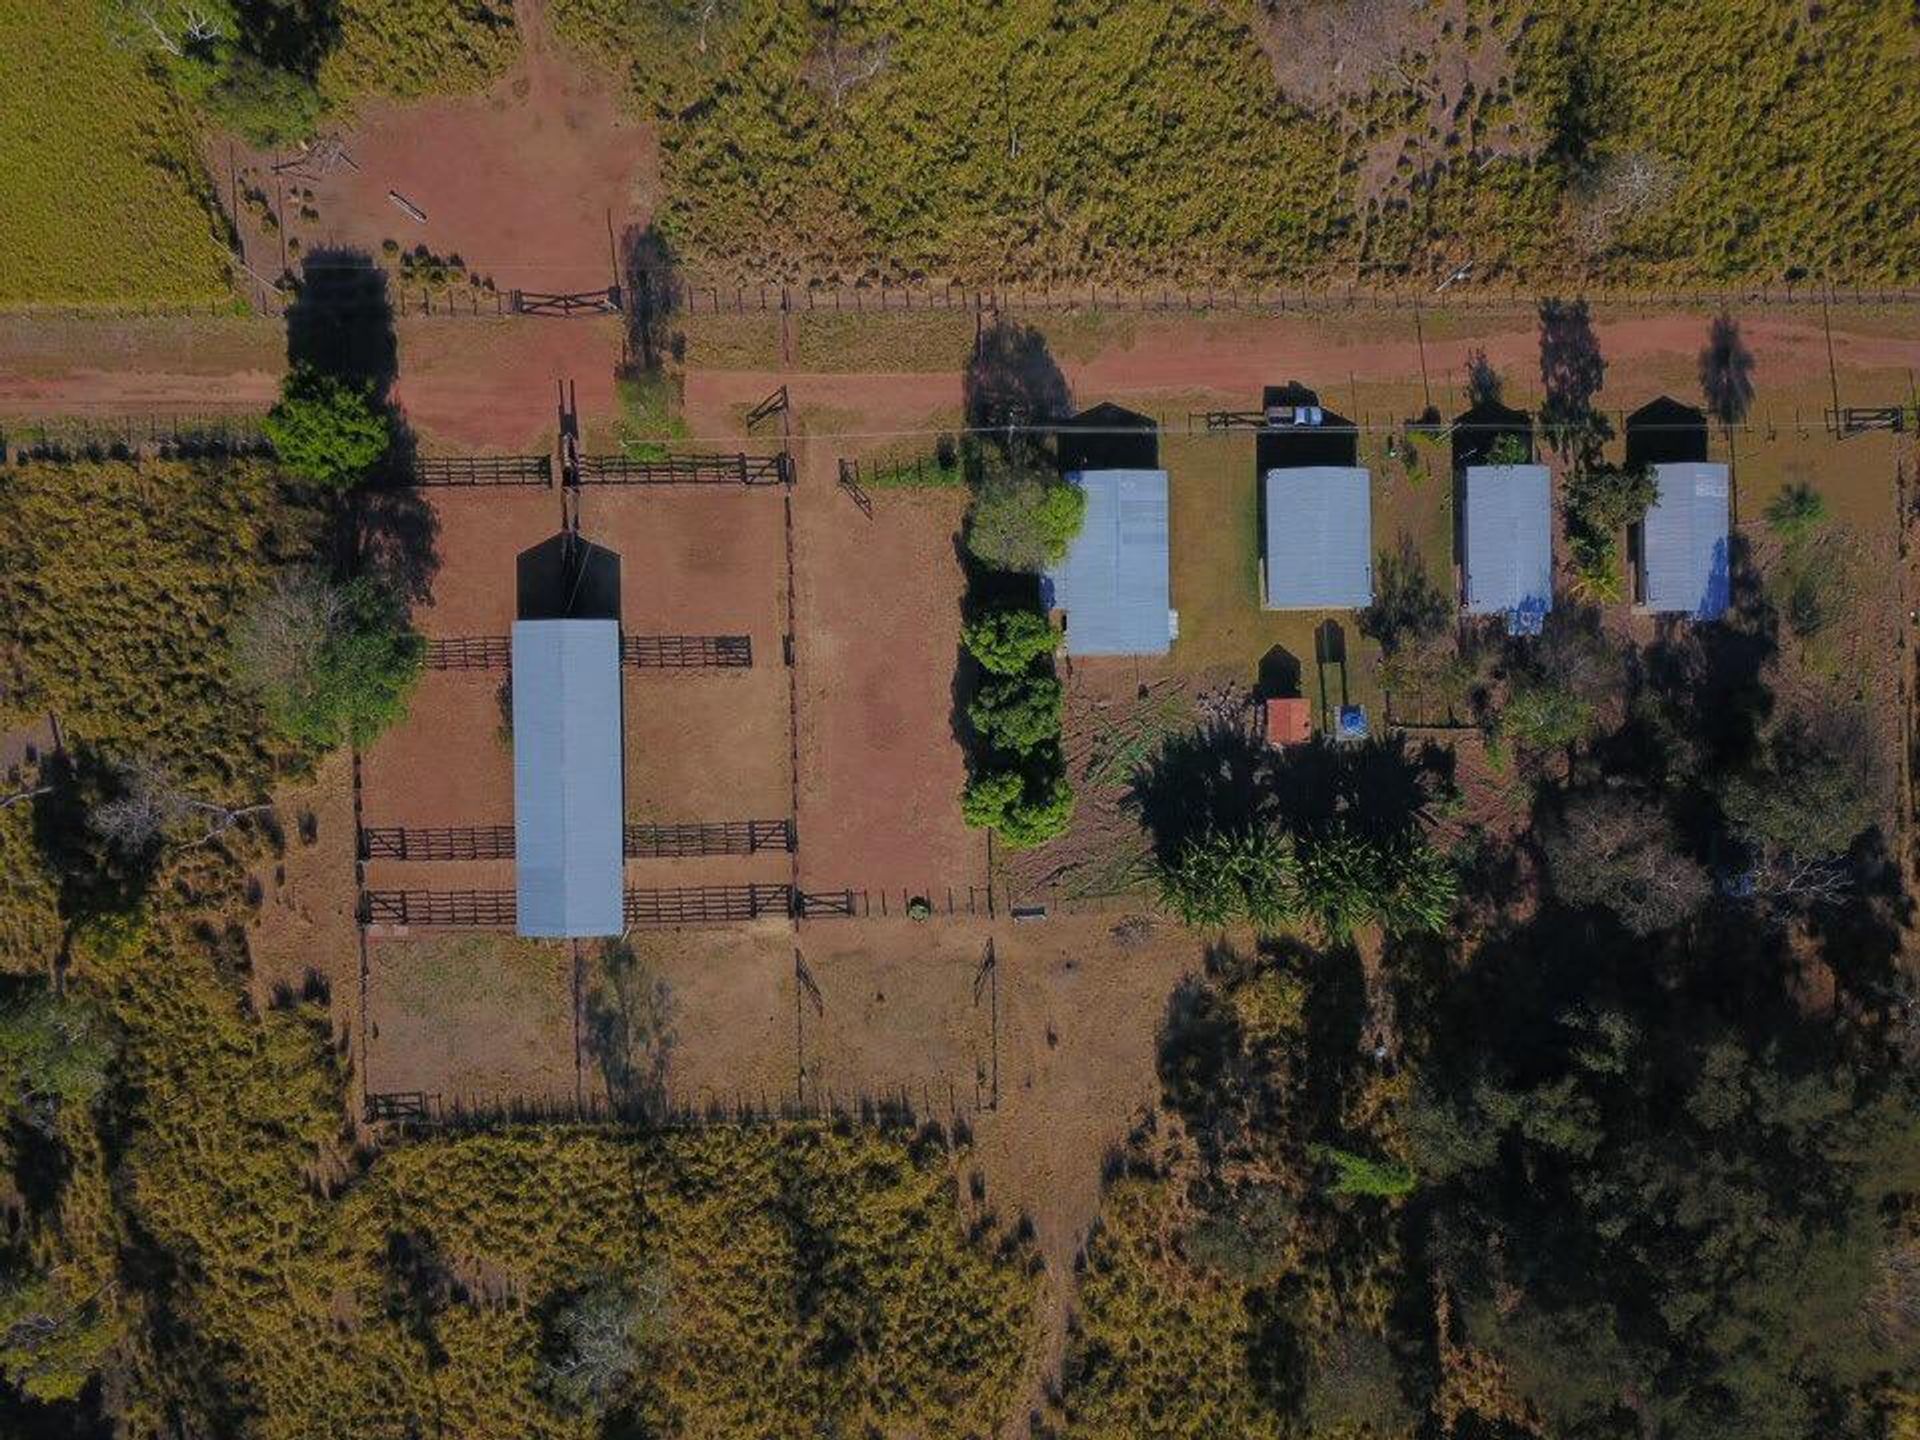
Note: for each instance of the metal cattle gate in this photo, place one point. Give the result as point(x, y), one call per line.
point(824, 904)
point(578, 302)
point(474, 470)
point(686, 652)
point(455, 842)
point(1857, 419)
point(705, 905)
point(739, 469)
point(401, 1105)
point(475, 909)
point(732, 837)
point(470, 652)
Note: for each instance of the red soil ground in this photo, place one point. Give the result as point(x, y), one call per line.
point(524, 182)
point(878, 640)
point(480, 533)
point(447, 763)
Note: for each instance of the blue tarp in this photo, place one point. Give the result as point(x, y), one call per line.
point(568, 797)
point(1683, 542)
point(1509, 542)
point(1319, 538)
point(1113, 583)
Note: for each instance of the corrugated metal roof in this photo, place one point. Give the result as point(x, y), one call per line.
point(1683, 542)
point(1319, 538)
point(568, 799)
point(1509, 528)
point(1113, 583)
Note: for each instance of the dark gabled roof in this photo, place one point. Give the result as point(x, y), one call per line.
point(1477, 431)
point(1109, 437)
point(1666, 432)
point(1335, 441)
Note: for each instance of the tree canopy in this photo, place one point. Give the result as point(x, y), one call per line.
point(327, 430)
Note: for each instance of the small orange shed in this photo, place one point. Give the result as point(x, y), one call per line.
point(1289, 722)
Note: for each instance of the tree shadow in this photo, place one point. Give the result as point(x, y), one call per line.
point(630, 1032)
point(1726, 371)
point(1013, 380)
point(1484, 384)
point(650, 295)
point(341, 324)
point(95, 878)
point(1212, 778)
point(1572, 372)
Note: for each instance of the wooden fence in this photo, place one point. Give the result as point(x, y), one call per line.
point(470, 652)
point(730, 837)
point(452, 842)
point(466, 909)
point(737, 469)
point(705, 905)
point(686, 652)
point(477, 470)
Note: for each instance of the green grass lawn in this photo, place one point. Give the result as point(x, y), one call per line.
point(105, 201)
point(1216, 579)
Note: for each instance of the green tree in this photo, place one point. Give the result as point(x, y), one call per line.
point(1009, 639)
point(54, 1054)
point(1221, 877)
point(1023, 516)
point(1347, 880)
point(1025, 807)
point(333, 663)
point(1816, 784)
point(1607, 498)
point(327, 430)
point(1017, 713)
point(1361, 1175)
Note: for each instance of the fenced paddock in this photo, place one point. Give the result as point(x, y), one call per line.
point(460, 909)
point(735, 469)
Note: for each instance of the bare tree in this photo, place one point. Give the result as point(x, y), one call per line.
point(1333, 50)
point(1618, 850)
point(287, 629)
point(1624, 186)
point(598, 1338)
point(151, 806)
point(175, 29)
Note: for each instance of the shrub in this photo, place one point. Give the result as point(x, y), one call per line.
point(1223, 877)
point(1362, 1175)
point(1797, 513)
point(1347, 880)
point(1008, 640)
point(598, 1340)
point(1545, 715)
point(327, 430)
point(1025, 808)
point(1408, 609)
point(1509, 449)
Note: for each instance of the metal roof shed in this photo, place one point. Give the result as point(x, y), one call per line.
point(1683, 542)
point(568, 801)
point(1509, 549)
point(1113, 583)
point(1319, 553)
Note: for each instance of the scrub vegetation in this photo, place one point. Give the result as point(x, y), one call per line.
point(1020, 140)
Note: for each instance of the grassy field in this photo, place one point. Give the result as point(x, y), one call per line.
point(105, 200)
point(1018, 139)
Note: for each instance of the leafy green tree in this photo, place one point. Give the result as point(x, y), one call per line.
point(1023, 516)
point(1815, 786)
point(1222, 877)
point(327, 430)
point(1509, 449)
point(333, 663)
point(54, 1054)
point(1024, 807)
point(1008, 640)
point(1347, 880)
point(1607, 498)
point(1017, 713)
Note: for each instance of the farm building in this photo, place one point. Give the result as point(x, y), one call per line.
point(1682, 566)
point(1508, 544)
point(1113, 584)
point(1319, 538)
point(1666, 432)
point(568, 800)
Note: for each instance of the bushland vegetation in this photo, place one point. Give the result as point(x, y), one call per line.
point(1261, 141)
